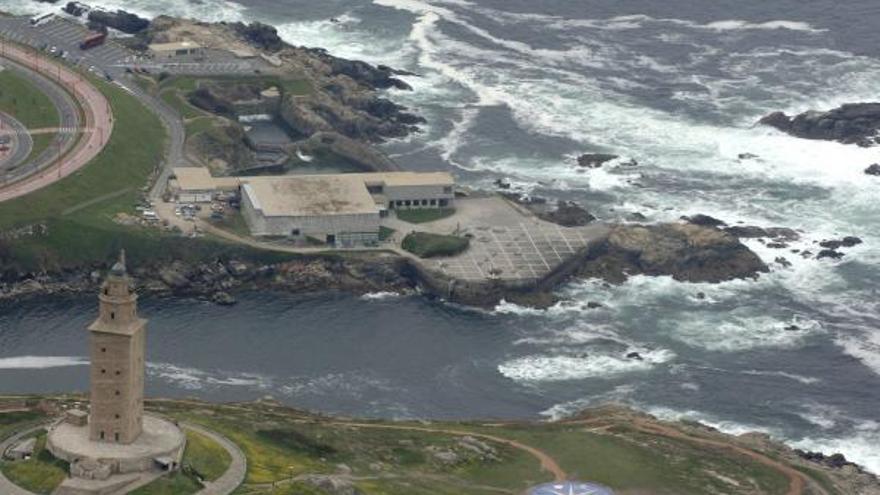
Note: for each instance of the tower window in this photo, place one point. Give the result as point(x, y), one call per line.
point(116, 436)
point(112, 315)
point(118, 372)
point(102, 435)
point(117, 416)
point(117, 392)
point(103, 371)
point(103, 349)
point(106, 291)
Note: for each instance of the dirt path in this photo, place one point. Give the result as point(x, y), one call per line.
point(548, 463)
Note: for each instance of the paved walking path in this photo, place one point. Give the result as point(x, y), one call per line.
point(234, 476)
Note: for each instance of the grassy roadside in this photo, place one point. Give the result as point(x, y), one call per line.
point(40, 474)
point(25, 102)
point(202, 458)
point(90, 235)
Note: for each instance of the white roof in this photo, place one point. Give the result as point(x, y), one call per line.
point(174, 46)
point(310, 195)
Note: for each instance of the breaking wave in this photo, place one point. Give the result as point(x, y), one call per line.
point(40, 362)
point(546, 368)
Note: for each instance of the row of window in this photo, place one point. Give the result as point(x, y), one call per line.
point(419, 202)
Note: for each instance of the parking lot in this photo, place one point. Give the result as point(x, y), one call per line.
point(66, 35)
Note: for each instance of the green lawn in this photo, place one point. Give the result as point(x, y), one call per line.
point(385, 233)
point(41, 474)
point(425, 245)
point(209, 459)
point(89, 235)
point(424, 215)
point(175, 100)
point(11, 422)
point(174, 484)
point(199, 124)
point(26, 103)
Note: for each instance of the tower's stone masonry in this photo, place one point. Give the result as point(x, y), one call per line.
point(117, 344)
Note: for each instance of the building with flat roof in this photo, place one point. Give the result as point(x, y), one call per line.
point(176, 49)
point(196, 185)
point(329, 208)
point(335, 208)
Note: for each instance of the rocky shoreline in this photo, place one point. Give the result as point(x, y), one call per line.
point(685, 251)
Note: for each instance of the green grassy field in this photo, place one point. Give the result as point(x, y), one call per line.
point(425, 245)
point(90, 235)
point(40, 474)
point(424, 215)
point(284, 446)
point(175, 484)
point(25, 102)
point(205, 456)
point(11, 422)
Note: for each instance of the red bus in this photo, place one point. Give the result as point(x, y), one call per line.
point(92, 40)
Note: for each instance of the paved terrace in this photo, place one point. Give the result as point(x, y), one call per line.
point(508, 243)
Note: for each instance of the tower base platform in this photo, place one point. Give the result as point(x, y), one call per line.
point(97, 466)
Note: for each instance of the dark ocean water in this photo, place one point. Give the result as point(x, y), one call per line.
point(517, 89)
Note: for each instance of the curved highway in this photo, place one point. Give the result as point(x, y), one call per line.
point(85, 121)
point(14, 137)
point(68, 118)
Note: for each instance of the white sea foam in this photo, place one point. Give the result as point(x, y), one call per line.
point(860, 448)
point(806, 380)
point(724, 425)
point(620, 393)
point(196, 379)
point(206, 10)
point(379, 296)
point(542, 367)
point(732, 332)
point(40, 362)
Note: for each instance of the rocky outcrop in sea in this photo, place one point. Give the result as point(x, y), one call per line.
point(687, 252)
point(856, 123)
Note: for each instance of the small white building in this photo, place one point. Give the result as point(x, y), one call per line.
point(196, 185)
point(22, 450)
point(176, 49)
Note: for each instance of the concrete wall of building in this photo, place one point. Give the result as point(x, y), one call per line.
point(418, 196)
point(320, 227)
point(366, 225)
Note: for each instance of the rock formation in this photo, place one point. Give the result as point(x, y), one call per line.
point(595, 160)
point(687, 252)
point(567, 214)
point(856, 123)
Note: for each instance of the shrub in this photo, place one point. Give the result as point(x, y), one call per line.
point(425, 245)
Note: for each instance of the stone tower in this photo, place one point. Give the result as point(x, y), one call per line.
point(117, 343)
